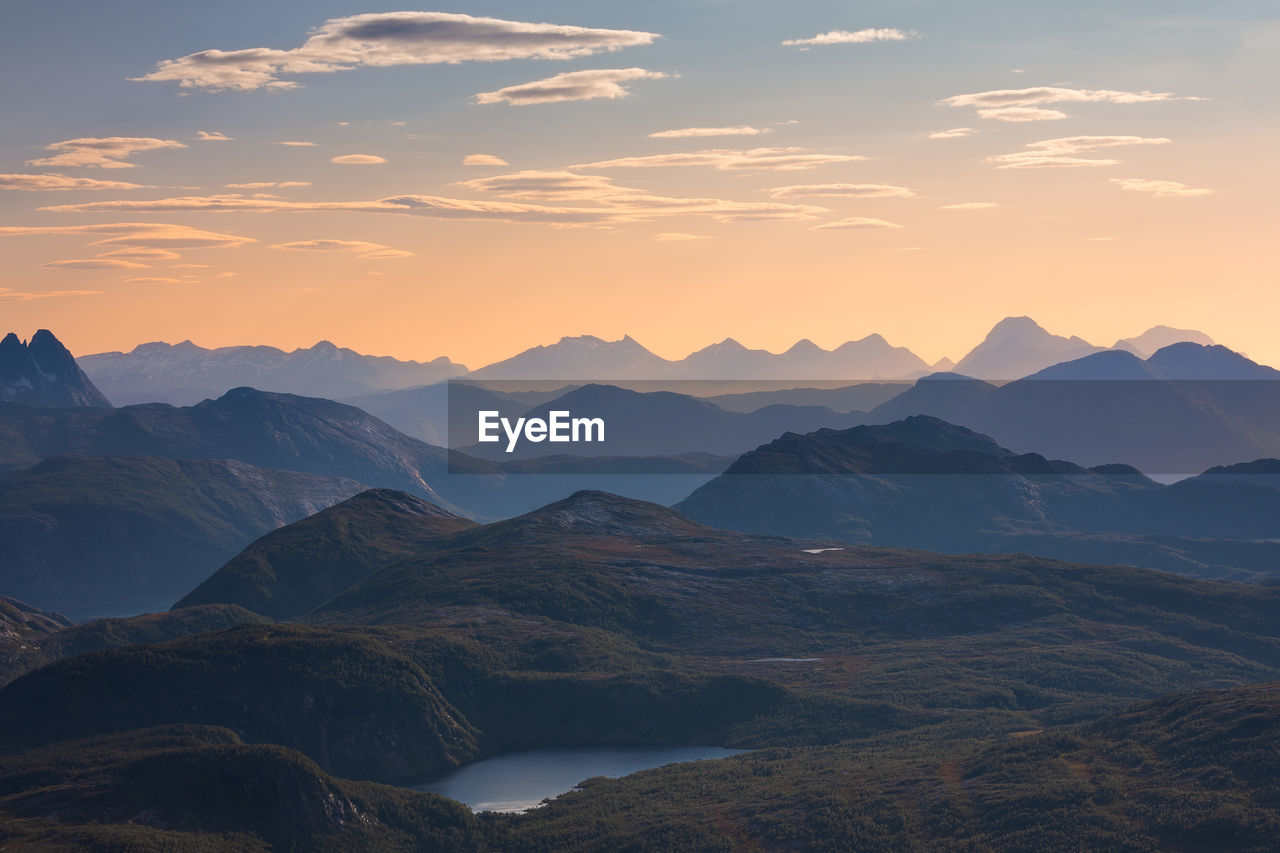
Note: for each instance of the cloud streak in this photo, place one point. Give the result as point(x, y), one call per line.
point(857, 223)
point(358, 160)
point(1070, 152)
point(842, 191)
point(1160, 189)
point(609, 83)
point(615, 205)
point(7, 295)
point(147, 235)
point(104, 152)
point(47, 182)
point(727, 160)
point(866, 36)
point(390, 39)
point(360, 248)
point(701, 132)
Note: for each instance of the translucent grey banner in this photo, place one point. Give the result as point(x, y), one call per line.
point(940, 425)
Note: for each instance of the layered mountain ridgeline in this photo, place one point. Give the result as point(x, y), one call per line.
point(184, 374)
point(58, 638)
point(43, 372)
point(202, 788)
point(102, 534)
point(925, 483)
point(602, 583)
point(602, 620)
point(1186, 408)
point(312, 436)
point(1184, 773)
point(295, 569)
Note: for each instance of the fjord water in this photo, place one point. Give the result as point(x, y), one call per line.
point(521, 780)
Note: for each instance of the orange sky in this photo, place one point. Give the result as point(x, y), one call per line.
point(1147, 199)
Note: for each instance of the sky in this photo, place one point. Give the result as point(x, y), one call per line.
point(474, 179)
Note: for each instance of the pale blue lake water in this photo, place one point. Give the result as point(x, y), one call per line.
point(521, 780)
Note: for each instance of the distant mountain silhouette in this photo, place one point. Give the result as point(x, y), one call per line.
point(1159, 337)
point(1017, 346)
point(925, 483)
point(134, 532)
point(184, 374)
point(1184, 409)
point(589, 357)
point(43, 372)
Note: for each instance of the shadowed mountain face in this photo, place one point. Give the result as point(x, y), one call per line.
point(184, 374)
point(291, 571)
point(277, 431)
point(925, 483)
point(128, 533)
point(352, 704)
point(1184, 409)
point(43, 373)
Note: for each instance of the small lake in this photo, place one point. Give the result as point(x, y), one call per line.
point(521, 780)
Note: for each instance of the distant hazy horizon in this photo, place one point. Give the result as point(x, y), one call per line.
point(682, 172)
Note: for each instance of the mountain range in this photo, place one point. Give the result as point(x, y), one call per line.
point(185, 374)
point(925, 483)
point(1184, 409)
point(868, 680)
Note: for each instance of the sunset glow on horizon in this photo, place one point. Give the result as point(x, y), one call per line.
point(477, 180)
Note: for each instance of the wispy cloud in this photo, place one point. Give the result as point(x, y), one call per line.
point(551, 185)
point(297, 143)
point(360, 248)
point(106, 152)
point(1160, 189)
point(483, 160)
point(7, 295)
point(266, 185)
point(358, 160)
point(679, 237)
point(137, 253)
point(37, 183)
point(1022, 114)
point(610, 83)
point(699, 132)
point(970, 205)
point(94, 264)
point(1069, 152)
point(842, 191)
point(155, 279)
point(724, 159)
point(614, 207)
point(855, 37)
point(1031, 104)
point(953, 133)
point(139, 234)
point(213, 136)
point(856, 223)
point(390, 39)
